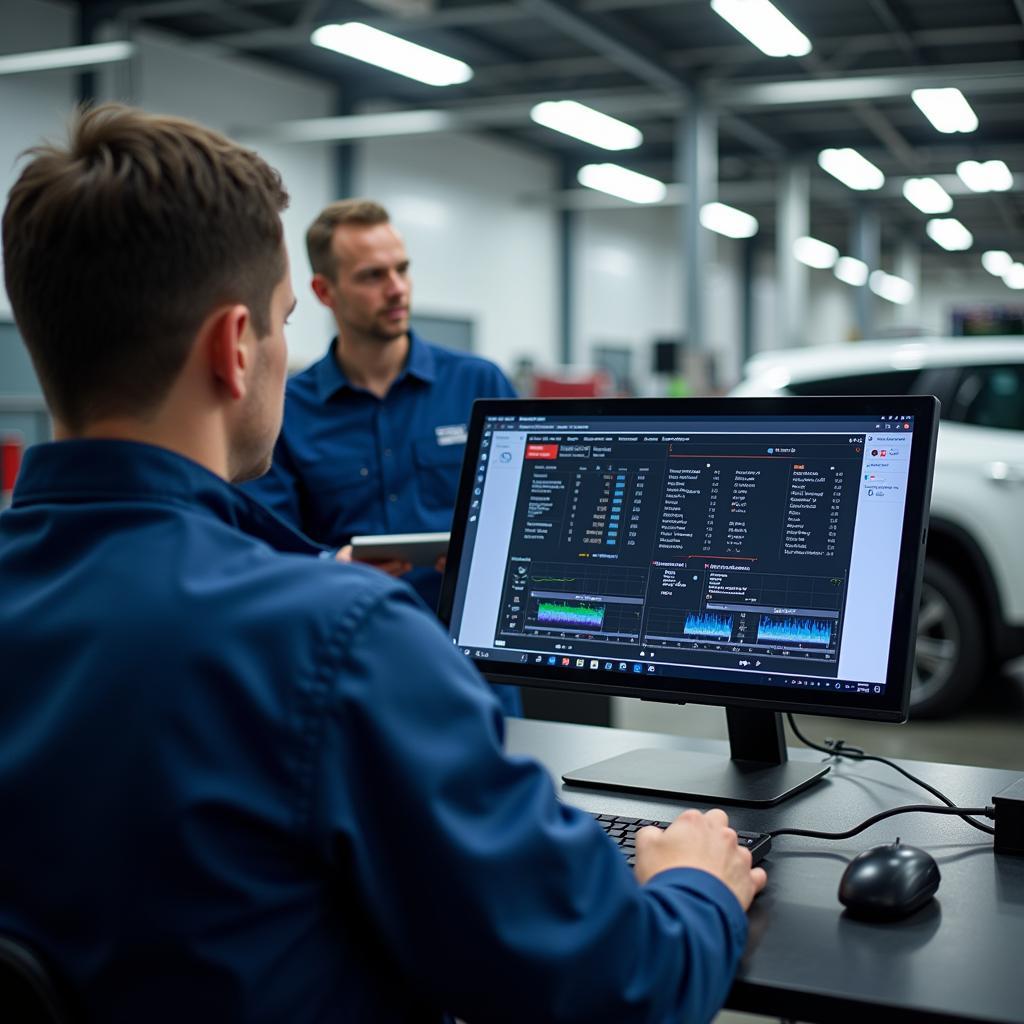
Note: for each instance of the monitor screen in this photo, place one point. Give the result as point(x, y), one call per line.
point(761, 553)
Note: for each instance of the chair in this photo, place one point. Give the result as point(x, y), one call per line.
point(29, 993)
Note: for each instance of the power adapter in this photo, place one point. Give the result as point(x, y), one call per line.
point(1009, 815)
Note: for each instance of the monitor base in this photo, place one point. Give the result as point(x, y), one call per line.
point(705, 778)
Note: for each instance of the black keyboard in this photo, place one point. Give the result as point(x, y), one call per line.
point(623, 831)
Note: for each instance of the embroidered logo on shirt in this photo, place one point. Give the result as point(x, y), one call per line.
point(454, 434)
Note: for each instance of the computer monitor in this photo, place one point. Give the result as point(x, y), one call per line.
point(761, 554)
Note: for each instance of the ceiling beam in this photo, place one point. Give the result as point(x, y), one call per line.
point(1001, 77)
point(633, 56)
point(903, 38)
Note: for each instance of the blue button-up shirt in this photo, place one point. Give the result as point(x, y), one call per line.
point(243, 784)
point(349, 463)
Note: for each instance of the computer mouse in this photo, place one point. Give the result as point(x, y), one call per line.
point(888, 882)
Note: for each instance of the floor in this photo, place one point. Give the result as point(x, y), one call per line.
point(989, 732)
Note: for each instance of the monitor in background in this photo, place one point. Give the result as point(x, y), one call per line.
point(760, 554)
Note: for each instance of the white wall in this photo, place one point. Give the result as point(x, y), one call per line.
point(35, 105)
point(479, 249)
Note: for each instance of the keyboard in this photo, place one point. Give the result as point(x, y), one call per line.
point(623, 830)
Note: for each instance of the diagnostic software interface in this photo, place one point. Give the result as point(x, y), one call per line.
point(754, 551)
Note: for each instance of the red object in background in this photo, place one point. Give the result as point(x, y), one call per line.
point(542, 451)
point(10, 462)
point(588, 385)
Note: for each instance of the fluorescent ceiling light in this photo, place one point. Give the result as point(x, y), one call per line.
point(67, 57)
point(851, 271)
point(586, 124)
point(990, 176)
point(947, 109)
point(950, 234)
point(621, 182)
point(890, 287)
point(996, 261)
point(815, 253)
point(765, 26)
point(727, 220)
point(1014, 276)
point(355, 39)
point(927, 195)
point(851, 169)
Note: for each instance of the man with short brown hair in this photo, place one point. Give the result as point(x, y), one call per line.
point(239, 782)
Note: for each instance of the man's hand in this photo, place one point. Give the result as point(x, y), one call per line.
point(704, 841)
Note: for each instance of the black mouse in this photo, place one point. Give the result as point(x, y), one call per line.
point(888, 882)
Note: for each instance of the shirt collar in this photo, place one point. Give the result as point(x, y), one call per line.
point(330, 378)
point(104, 471)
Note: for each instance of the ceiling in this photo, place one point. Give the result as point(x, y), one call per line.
point(646, 60)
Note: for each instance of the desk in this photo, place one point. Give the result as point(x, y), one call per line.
point(959, 958)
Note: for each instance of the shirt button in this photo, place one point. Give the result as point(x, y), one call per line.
point(387, 452)
point(392, 497)
point(364, 472)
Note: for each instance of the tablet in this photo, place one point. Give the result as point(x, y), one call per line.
point(418, 548)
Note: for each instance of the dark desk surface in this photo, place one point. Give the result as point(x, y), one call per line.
point(959, 958)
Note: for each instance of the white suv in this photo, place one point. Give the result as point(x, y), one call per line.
point(972, 601)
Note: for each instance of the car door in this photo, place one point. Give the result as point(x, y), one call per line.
point(979, 472)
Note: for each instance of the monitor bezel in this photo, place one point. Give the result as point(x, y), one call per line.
point(891, 706)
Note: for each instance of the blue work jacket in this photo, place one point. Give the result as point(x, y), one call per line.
point(349, 463)
point(240, 783)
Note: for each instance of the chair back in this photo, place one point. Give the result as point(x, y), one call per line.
point(29, 993)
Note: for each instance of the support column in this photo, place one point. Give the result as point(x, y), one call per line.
point(793, 219)
point(566, 266)
point(866, 245)
point(748, 339)
point(344, 154)
point(908, 266)
point(697, 164)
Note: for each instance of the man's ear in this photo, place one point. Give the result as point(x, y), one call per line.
point(323, 290)
point(229, 340)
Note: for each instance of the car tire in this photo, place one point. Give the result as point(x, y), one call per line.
point(948, 661)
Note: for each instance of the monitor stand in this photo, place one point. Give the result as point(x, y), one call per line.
point(757, 772)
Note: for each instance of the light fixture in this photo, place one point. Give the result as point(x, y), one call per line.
point(996, 261)
point(989, 176)
point(851, 271)
point(947, 109)
point(814, 253)
point(1014, 276)
point(354, 39)
point(87, 56)
point(585, 123)
point(927, 195)
point(765, 26)
point(852, 169)
point(727, 220)
point(890, 287)
point(949, 233)
point(622, 182)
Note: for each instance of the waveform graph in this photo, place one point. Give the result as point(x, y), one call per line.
point(570, 613)
point(794, 630)
point(707, 626)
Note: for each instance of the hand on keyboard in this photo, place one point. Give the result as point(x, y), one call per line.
point(696, 840)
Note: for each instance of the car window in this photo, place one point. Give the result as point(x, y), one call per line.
point(991, 396)
point(890, 382)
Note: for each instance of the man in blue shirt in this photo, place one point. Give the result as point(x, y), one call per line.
point(374, 433)
point(238, 781)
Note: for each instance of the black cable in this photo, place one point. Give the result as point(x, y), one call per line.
point(838, 748)
point(989, 812)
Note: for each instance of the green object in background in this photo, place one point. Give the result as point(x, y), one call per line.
point(678, 387)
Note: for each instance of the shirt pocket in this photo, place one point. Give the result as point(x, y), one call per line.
point(343, 495)
point(437, 473)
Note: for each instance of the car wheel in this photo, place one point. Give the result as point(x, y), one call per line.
point(948, 661)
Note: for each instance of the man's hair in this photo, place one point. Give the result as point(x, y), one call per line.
point(119, 245)
point(362, 212)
